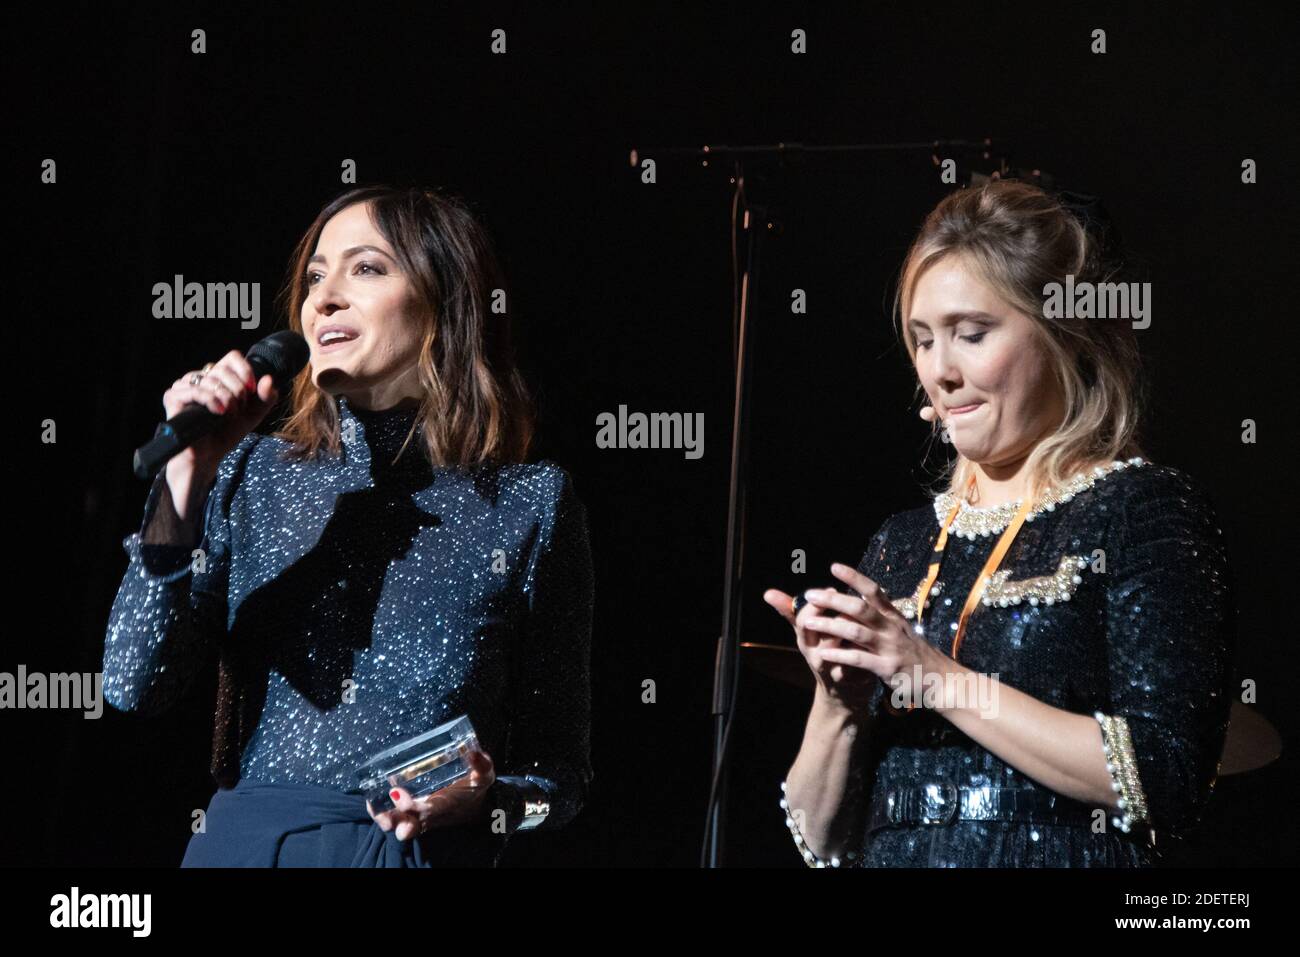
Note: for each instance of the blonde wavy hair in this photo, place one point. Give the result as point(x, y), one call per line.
point(1017, 238)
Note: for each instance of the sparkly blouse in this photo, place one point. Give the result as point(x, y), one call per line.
point(1114, 600)
point(355, 603)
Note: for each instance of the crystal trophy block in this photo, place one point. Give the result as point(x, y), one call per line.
point(419, 765)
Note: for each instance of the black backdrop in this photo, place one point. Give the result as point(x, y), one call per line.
point(210, 166)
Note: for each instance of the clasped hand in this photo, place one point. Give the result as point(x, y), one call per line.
point(850, 641)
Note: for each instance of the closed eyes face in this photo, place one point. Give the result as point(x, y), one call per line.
point(982, 365)
point(357, 315)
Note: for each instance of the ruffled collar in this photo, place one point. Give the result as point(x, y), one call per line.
point(972, 522)
point(378, 435)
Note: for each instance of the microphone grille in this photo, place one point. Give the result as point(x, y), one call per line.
point(284, 353)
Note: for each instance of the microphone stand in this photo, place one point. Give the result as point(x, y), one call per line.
point(754, 224)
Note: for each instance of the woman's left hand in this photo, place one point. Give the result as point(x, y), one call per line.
point(878, 637)
point(458, 803)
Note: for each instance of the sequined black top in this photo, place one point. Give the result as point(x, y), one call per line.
point(1117, 601)
point(358, 603)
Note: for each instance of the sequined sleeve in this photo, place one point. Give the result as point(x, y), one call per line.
point(550, 707)
point(856, 783)
point(872, 565)
point(1169, 649)
point(171, 606)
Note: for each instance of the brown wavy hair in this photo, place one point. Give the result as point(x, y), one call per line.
point(476, 407)
point(1017, 238)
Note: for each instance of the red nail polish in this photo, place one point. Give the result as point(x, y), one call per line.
point(395, 795)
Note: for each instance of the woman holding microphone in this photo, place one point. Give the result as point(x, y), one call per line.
point(384, 562)
point(1033, 670)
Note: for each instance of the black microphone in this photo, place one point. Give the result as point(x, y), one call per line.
point(282, 355)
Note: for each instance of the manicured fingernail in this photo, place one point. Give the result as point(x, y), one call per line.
point(395, 795)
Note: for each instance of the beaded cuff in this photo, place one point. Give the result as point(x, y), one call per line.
point(527, 801)
point(809, 858)
point(1121, 762)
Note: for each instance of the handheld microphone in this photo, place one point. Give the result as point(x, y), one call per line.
point(281, 355)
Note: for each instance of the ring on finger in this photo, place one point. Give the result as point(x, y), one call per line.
point(797, 602)
point(197, 376)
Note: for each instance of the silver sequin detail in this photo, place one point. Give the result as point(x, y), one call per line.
point(367, 605)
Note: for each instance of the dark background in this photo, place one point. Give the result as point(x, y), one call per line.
point(211, 166)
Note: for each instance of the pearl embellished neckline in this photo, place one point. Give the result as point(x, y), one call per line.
point(972, 522)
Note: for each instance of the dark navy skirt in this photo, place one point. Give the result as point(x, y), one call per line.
point(257, 824)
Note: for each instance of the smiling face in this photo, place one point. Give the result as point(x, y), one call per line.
point(355, 286)
point(983, 366)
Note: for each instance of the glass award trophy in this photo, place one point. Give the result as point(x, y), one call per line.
point(419, 765)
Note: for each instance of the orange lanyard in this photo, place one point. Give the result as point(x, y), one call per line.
point(985, 575)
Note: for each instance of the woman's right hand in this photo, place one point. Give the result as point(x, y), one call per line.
point(842, 686)
point(229, 390)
